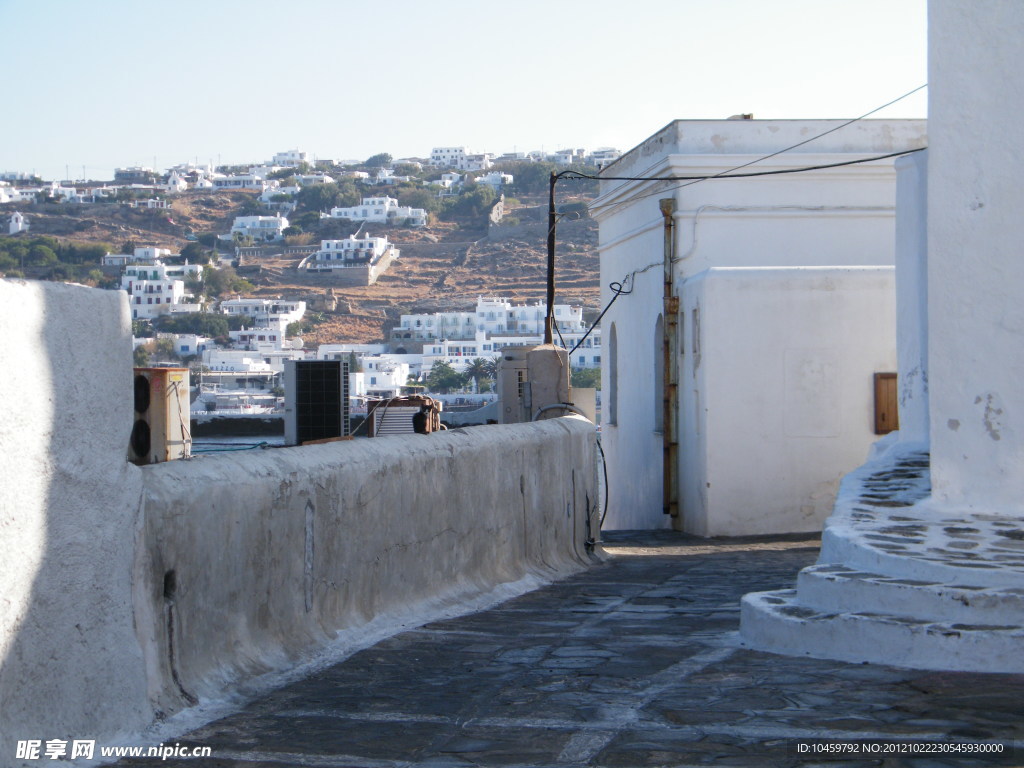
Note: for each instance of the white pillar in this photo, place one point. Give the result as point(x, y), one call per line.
point(976, 264)
point(912, 295)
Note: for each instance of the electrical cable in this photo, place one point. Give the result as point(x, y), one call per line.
point(604, 471)
point(240, 447)
point(727, 175)
point(617, 290)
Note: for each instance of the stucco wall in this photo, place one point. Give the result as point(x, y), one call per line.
point(975, 270)
point(841, 217)
point(776, 392)
point(70, 665)
point(273, 553)
point(276, 553)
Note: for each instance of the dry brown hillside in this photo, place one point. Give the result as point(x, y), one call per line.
point(443, 266)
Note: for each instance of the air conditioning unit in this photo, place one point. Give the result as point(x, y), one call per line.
point(161, 428)
point(315, 400)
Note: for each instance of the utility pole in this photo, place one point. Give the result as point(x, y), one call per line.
point(549, 319)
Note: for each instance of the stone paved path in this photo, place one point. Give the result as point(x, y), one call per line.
point(635, 662)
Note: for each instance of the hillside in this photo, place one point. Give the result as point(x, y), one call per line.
point(443, 266)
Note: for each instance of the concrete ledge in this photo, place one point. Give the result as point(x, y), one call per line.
point(249, 562)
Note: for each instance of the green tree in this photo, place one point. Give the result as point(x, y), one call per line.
point(472, 204)
point(195, 253)
point(383, 160)
point(164, 350)
point(142, 329)
point(586, 377)
point(225, 280)
point(323, 197)
point(492, 366)
point(443, 378)
point(203, 323)
point(141, 356)
point(477, 369)
point(41, 256)
point(418, 197)
point(529, 178)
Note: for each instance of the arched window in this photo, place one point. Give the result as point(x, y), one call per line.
point(659, 375)
point(613, 377)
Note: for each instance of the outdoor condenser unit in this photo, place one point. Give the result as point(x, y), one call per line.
point(160, 431)
point(315, 400)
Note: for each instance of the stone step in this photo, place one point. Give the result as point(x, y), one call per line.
point(779, 623)
point(835, 588)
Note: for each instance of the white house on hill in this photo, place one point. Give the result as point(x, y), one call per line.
point(260, 228)
point(18, 223)
point(382, 210)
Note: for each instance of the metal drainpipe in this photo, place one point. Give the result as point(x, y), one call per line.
point(670, 325)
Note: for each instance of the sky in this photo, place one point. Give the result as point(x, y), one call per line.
point(100, 84)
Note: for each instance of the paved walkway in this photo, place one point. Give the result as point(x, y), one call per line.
point(632, 663)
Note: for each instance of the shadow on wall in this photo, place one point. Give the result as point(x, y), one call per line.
point(70, 665)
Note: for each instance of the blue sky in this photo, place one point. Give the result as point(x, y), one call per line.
point(105, 83)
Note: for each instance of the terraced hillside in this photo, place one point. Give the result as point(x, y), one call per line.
point(443, 266)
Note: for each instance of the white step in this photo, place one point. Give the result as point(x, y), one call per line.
point(777, 622)
point(840, 589)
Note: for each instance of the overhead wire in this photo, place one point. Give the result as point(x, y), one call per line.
point(729, 173)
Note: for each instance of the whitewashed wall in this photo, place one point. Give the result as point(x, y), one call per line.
point(975, 270)
point(70, 664)
point(274, 554)
point(831, 217)
point(777, 392)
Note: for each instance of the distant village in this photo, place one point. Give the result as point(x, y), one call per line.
point(242, 370)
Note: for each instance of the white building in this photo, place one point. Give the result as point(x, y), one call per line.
point(157, 289)
point(147, 256)
point(459, 337)
point(274, 314)
point(382, 210)
point(495, 180)
point(351, 252)
point(241, 181)
point(604, 156)
point(235, 361)
point(175, 182)
point(448, 182)
point(18, 223)
point(268, 195)
point(920, 564)
point(309, 179)
point(260, 228)
point(477, 162)
point(448, 157)
point(781, 311)
point(186, 344)
point(292, 158)
point(569, 156)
